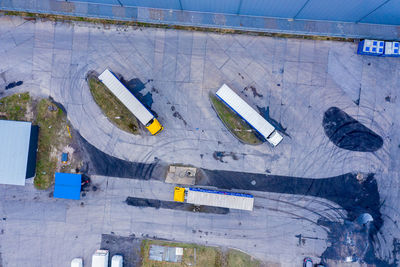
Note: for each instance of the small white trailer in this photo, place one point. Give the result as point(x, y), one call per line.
point(252, 117)
point(100, 258)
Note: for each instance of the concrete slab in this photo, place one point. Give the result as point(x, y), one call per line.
point(299, 81)
point(181, 175)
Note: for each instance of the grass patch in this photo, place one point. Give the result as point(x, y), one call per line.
point(196, 255)
point(114, 110)
point(236, 125)
point(238, 258)
point(52, 124)
point(53, 135)
point(14, 107)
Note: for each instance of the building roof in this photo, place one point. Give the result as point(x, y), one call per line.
point(14, 151)
point(67, 185)
point(164, 253)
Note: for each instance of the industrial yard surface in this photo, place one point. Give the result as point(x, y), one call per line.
point(338, 113)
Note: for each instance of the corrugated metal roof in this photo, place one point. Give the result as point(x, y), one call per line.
point(230, 6)
point(271, 8)
point(163, 253)
point(67, 185)
point(123, 94)
point(213, 198)
point(245, 111)
point(385, 14)
point(14, 151)
point(338, 10)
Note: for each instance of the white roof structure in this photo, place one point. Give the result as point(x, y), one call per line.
point(14, 151)
point(235, 102)
point(222, 199)
point(126, 97)
point(100, 258)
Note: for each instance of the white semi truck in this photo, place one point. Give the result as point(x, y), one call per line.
point(252, 117)
point(131, 102)
point(206, 197)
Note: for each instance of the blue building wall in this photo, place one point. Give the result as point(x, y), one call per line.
point(338, 10)
point(166, 4)
point(272, 8)
point(389, 13)
point(368, 11)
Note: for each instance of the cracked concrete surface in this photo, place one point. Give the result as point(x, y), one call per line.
point(299, 81)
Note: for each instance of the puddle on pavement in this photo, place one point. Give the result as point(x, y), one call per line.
point(347, 133)
point(352, 241)
point(220, 155)
point(13, 84)
point(177, 115)
point(253, 90)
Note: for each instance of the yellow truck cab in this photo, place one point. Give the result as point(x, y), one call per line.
point(154, 126)
point(179, 194)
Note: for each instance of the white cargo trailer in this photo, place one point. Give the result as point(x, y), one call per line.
point(100, 258)
point(131, 102)
point(205, 197)
point(252, 117)
point(117, 261)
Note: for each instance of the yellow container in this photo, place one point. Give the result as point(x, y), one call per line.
point(179, 194)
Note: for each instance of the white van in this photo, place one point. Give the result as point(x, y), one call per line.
point(77, 262)
point(117, 261)
point(100, 258)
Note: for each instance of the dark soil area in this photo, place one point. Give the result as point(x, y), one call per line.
point(100, 163)
point(127, 247)
point(13, 84)
point(347, 133)
point(354, 196)
point(155, 203)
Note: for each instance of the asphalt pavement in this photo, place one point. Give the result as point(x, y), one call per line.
point(300, 81)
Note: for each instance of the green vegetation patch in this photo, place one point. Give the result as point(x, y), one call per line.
point(15, 107)
point(236, 125)
point(53, 134)
point(114, 110)
point(196, 255)
point(238, 258)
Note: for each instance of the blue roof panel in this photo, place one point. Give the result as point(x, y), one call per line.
point(67, 185)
